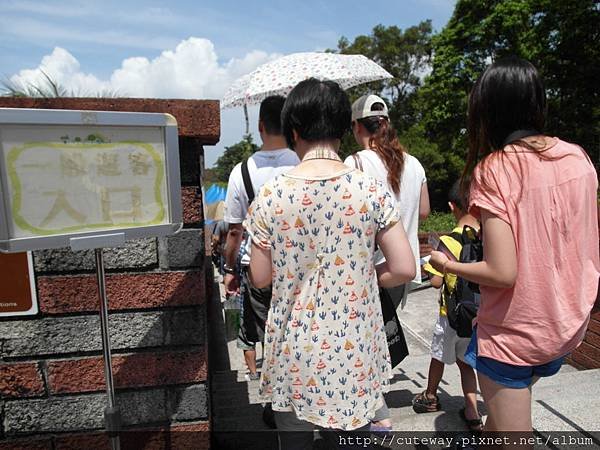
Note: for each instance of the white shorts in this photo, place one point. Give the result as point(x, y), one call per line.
point(446, 346)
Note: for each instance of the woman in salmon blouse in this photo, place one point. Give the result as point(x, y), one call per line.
point(536, 198)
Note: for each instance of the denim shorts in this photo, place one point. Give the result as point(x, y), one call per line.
point(508, 375)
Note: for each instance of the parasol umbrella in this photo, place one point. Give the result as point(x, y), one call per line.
point(279, 77)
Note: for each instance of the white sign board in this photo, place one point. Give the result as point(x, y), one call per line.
point(86, 179)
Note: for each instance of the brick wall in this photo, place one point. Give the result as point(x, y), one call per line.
point(51, 369)
point(587, 355)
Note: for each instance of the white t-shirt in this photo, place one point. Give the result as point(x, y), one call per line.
point(407, 200)
point(262, 166)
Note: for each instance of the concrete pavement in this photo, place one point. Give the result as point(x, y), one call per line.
point(567, 402)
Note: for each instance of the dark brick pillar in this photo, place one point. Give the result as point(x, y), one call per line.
point(51, 369)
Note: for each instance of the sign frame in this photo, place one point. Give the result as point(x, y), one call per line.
point(110, 236)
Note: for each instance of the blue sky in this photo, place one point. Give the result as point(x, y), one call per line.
point(182, 49)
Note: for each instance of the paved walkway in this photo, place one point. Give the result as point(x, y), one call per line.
point(567, 402)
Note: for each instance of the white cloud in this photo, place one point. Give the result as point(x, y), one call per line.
point(65, 70)
point(191, 70)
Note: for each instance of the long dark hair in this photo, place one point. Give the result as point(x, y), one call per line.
point(384, 142)
point(507, 97)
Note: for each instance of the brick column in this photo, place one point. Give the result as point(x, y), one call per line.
point(51, 369)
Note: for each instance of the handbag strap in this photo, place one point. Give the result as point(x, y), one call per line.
point(247, 181)
point(357, 162)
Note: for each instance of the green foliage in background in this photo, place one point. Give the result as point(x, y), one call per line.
point(406, 54)
point(403, 53)
point(438, 222)
point(233, 155)
point(435, 72)
point(441, 169)
point(561, 38)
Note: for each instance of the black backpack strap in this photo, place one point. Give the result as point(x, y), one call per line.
point(247, 181)
point(458, 237)
point(517, 135)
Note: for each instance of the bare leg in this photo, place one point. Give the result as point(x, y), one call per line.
point(509, 409)
point(469, 387)
point(382, 417)
point(250, 358)
point(436, 372)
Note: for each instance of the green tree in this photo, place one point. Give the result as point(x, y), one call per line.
point(560, 38)
point(440, 168)
point(231, 156)
point(567, 54)
point(406, 54)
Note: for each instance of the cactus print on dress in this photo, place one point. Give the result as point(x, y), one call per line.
point(326, 354)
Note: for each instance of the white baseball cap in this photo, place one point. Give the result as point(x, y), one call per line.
point(361, 108)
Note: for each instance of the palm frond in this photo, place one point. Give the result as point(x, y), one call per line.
point(48, 87)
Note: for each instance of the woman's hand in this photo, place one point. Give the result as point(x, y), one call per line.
point(437, 260)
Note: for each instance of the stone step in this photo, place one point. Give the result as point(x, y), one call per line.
point(233, 380)
point(249, 422)
point(245, 440)
point(569, 375)
point(235, 398)
point(563, 413)
point(574, 393)
point(404, 419)
point(230, 410)
point(557, 408)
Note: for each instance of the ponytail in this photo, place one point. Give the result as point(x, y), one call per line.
point(384, 142)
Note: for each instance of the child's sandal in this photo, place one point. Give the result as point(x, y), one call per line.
point(423, 404)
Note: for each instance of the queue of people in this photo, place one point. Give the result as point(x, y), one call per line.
point(312, 242)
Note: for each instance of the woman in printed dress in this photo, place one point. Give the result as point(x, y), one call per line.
point(314, 232)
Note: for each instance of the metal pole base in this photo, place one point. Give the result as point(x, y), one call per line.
point(112, 422)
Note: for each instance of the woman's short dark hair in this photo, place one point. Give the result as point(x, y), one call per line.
point(317, 110)
point(270, 114)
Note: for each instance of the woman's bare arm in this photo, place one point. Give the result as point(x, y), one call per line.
point(399, 266)
point(260, 267)
point(424, 207)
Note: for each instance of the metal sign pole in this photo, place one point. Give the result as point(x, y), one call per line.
point(112, 414)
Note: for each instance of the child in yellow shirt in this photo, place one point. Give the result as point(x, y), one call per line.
point(446, 346)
